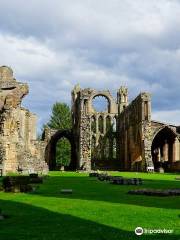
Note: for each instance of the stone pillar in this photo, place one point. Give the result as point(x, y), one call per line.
point(165, 151)
point(175, 150)
point(97, 139)
point(97, 125)
point(125, 151)
point(159, 155)
point(104, 124)
point(85, 143)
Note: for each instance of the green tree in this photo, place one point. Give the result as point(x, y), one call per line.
point(61, 119)
point(63, 152)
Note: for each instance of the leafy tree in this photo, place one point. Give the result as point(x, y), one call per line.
point(63, 152)
point(61, 119)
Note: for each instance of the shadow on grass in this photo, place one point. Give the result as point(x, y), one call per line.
point(87, 188)
point(34, 223)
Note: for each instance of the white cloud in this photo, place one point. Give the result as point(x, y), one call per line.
point(171, 117)
point(26, 56)
point(102, 44)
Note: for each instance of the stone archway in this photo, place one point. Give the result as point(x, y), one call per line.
point(50, 152)
point(103, 101)
point(163, 148)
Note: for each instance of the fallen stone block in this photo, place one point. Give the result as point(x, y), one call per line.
point(16, 184)
point(66, 191)
point(177, 178)
point(156, 192)
point(93, 174)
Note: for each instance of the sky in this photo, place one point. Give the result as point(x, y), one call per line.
point(54, 44)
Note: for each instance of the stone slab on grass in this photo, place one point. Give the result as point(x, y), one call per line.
point(66, 191)
point(156, 192)
point(177, 178)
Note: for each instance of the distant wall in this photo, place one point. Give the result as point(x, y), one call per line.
point(134, 134)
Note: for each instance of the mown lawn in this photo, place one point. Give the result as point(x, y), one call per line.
point(95, 210)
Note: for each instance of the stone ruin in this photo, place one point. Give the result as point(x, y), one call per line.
point(19, 148)
point(122, 137)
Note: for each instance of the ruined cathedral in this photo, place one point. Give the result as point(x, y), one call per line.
point(122, 137)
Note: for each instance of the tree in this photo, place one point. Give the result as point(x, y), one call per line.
point(61, 119)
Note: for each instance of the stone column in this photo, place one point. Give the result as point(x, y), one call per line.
point(175, 150)
point(159, 155)
point(125, 150)
point(104, 124)
point(165, 151)
point(97, 125)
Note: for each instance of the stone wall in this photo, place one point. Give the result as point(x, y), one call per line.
point(134, 128)
point(19, 149)
point(91, 139)
point(123, 136)
point(166, 145)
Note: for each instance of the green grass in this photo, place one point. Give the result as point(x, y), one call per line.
point(95, 210)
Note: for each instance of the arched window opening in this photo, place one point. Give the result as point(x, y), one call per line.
point(114, 124)
point(146, 110)
point(125, 98)
point(163, 149)
point(93, 147)
point(85, 105)
point(100, 124)
point(108, 123)
point(100, 148)
point(93, 124)
point(114, 148)
point(107, 149)
point(101, 104)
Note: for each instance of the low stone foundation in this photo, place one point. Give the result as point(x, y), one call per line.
point(156, 192)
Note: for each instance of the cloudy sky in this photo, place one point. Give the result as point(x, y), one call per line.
point(54, 44)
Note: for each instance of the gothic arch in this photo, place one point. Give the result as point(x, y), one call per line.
point(104, 96)
point(50, 151)
point(163, 147)
point(160, 129)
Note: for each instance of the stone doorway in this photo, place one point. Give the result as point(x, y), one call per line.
point(163, 149)
point(50, 152)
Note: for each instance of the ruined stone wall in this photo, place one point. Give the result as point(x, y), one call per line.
point(19, 148)
point(133, 135)
point(83, 116)
point(120, 137)
point(168, 150)
point(76, 110)
point(81, 126)
point(134, 127)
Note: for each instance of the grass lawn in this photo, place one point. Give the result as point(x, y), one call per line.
point(95, 210)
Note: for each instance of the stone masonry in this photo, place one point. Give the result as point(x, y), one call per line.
point(134, 142)
point(121, 137)
point(19, 148)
